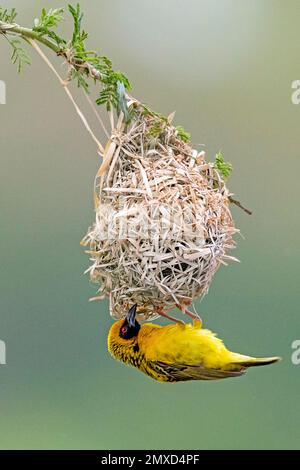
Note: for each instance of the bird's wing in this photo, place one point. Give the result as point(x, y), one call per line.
point(183, 372)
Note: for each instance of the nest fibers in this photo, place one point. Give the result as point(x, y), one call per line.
point(163, 224)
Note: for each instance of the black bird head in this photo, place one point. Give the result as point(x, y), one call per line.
point(130, 326)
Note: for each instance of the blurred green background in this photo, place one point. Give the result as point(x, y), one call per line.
point(226, 67)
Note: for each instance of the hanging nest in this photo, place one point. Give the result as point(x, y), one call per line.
point(163, 224)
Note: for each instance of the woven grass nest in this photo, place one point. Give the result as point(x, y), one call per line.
point(163, 223)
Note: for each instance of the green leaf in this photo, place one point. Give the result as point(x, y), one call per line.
point(79, 77)
point(47, 21)
point(110, 95)
point(122, 102)
point(183, 134)
point(225, 168)
point(156, 129)
point(8, 16)
point(19, 55)
point(77, 18)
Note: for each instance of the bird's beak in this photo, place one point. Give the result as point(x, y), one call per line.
point(130, 317)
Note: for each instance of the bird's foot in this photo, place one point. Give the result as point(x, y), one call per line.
point(197, 323)
point(196, 318)
point(164, 314)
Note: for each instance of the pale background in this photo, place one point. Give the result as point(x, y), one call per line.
point(226, 67)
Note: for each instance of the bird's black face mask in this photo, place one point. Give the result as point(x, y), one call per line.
point(130, 327)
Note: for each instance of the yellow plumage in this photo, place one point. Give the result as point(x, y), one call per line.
point(176, 352)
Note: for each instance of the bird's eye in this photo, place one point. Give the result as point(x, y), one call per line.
point(124, 330)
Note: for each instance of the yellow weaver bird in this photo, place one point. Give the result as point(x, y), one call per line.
point(176, 352)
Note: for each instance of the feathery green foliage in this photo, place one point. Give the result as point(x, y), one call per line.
point(84, 63)
point(149, 112)
point(157, 128)
point(109, 93)
point(19, 56)
point(47, 21)
point(225, 168)
point(183, 134)
point(8, 16)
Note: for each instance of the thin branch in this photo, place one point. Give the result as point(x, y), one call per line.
point(27, 33)
point(64, 84)
point(111, 119)
point(237, 203)
point(97, 114)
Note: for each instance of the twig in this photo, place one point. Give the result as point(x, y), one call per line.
point(64, 84)
point(237, 203)
point(111, 119)
point(28, 33)
point(97, 115)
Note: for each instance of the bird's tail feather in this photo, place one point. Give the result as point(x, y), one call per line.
point(247, 361)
